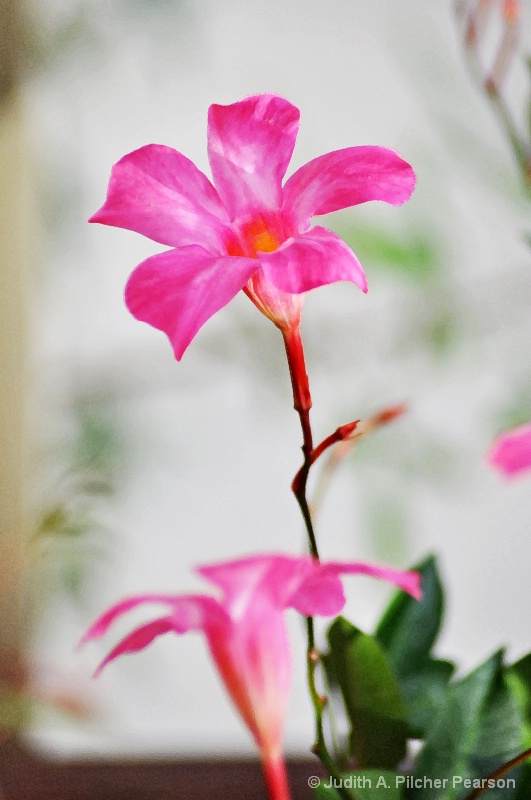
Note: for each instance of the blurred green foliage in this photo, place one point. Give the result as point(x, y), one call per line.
point(468, 727)
point(69, 531)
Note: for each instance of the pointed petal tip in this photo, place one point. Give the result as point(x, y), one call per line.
point(92, 634)
point(179, 290)
point(103, 664)
point(99, 669)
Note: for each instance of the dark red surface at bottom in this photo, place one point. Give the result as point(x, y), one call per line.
point(26, 776)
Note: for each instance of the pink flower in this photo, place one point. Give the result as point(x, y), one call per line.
point(511, 451)
point(249, 232)
point(246, 634)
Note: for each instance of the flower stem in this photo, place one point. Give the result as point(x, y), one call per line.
point(276, 779)
point(302, 402)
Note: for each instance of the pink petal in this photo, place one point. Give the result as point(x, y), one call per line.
point(99, 628)
point(137, 640)
point(274, 577)
point(511, 452)
point(250, 144)
point(312, 259)
point(346, 178)
point(407, 581)
point(159, 193)
point(322, 592)
point(179, 290)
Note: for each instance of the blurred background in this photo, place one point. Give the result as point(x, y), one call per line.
point(122, 469)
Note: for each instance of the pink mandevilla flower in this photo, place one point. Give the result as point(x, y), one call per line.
point(511, 451)
point(246, 633)
point(249, 232)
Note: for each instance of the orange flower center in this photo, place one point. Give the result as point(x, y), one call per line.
point(258, 236)
point(262, 233)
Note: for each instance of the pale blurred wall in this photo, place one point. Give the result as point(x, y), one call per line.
point(213, 440)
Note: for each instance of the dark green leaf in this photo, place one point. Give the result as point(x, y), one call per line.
point(523, 789)
point(409, 627)
point(368, 784)
point(377, 715)
point(424, 692)
point(477, 730)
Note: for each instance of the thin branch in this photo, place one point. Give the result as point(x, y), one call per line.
point(498, 773)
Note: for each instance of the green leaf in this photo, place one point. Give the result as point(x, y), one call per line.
point(409, 627)
point(407, 631)
point(519, 679)
point(367, 784)
point(377, 715)
point(477, 730)
point(424, 692)
point(523, 789)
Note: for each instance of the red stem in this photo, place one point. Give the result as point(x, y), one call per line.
point(302, 399)
point(302, 402)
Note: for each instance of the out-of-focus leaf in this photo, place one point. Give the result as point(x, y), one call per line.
point(478, 728)
point(441, 331)
point(519, 679)
point(523, 787)
point(98, 447)
point(378, 725)
point(365, 784)
point(414, 257)
point(424, 691)
point(409, 627)
point(407, 632)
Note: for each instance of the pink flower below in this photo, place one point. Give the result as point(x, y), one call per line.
point(246, 633)
point(249, 232)
point(511, 451)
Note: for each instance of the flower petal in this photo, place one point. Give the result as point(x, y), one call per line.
point(407, 581)
point(161, 194)
point(179, 290)
point(188, 613)
point(511, 452)
point(274, 577)
point(346, 178)
point(99, 628)
point(312, 259)
point(322, 592)
point(139, 639)
point(250, 144)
